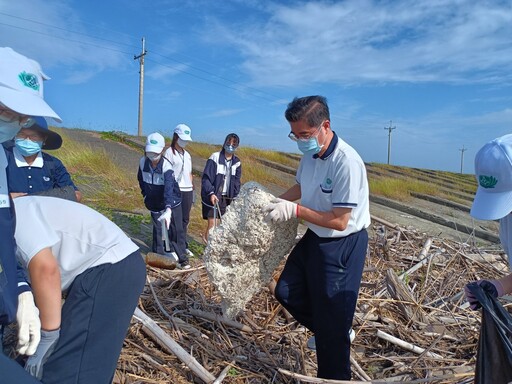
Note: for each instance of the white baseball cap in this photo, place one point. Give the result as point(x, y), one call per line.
point(493, 171)
point(155, 143)
point(183, 131)
point(21, 85)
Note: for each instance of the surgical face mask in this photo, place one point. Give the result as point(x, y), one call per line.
point(28, 147)
point(153, 156)
point(309, 147)
point(229, 148)
point(182, 143)
point(8, 130)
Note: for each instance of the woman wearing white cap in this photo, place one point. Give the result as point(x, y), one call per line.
point(162, 197)
point(493, 201)
point(181, 163)
point(21, 96)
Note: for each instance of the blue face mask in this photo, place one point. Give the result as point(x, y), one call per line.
point(309, 147)
point(229, 148)
point(28, 147)
point(8, 130)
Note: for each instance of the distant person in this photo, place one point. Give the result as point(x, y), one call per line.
point(162, 197)
point(493, 201)
point(220, 182)
point(69, 247)
point(32, 171)
point(320, 282)
point(21, 96)
point(181, 163)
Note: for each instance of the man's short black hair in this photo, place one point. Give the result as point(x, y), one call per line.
point(312, 109)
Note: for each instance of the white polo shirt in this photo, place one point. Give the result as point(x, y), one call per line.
point(335, 180)
point(506, 236)
point(182, 167)
point(80, 237)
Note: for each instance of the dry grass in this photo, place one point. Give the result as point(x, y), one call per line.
point(400, 189)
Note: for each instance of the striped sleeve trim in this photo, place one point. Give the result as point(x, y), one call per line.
point(344, 205)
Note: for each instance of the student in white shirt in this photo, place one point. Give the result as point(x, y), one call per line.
point(181, 163)
point(69, 247)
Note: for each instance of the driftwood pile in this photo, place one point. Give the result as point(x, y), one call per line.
point(412, 323)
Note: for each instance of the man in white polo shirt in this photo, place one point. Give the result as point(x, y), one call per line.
point(320, 281)
point(69, 247)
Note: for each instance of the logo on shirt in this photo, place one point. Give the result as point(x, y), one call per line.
point(487, 181)
point(46, 178)
point(326, 185)
point(29, 80)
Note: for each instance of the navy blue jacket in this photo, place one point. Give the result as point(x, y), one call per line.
point(158, 186)
point(30, 179)
point(13, 279)
point(214, 174)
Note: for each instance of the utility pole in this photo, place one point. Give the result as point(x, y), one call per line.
point(390, 128)
point(141, 83)
point(462, 150)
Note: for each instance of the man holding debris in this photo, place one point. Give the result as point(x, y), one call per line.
point(21, 96)
point(493, 201)
point(321, 279)
point(69, 247)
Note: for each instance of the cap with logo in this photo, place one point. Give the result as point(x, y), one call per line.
point(493, 171)
point(21, 85)
point(155, 143)
point(183, 131)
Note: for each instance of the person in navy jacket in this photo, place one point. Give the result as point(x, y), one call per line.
point(162, 196)
point(21, 96)
point(221, 181)
point(32, 171)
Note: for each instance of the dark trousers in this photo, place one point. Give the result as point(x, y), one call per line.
point(176, 235)
point(319, 287)
point(186, 205)
point(11, 372)
point(95, 318)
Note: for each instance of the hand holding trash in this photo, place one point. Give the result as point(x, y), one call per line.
point(166, 216)
point(493, 287)
point(280, 210)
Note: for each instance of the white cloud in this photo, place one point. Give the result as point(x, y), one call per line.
point(359, 41)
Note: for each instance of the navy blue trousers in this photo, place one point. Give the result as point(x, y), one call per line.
point(11, 372)
point(177, 236)
point(319, 287)
point(95, 318)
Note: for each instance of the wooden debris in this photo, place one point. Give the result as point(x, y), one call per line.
point(424, 307)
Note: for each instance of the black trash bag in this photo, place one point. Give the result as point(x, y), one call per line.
point(494, 356)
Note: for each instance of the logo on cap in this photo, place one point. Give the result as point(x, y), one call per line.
point(153, 141)
point(187, 132)
point(29, 80)
point(488, 181)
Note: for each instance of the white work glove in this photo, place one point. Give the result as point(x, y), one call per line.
point(35, 363)
point(29, 325)
point(280, 210)
point(167, 217)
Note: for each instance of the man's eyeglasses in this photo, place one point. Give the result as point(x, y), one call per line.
point(294, 137)
point(31, 136)
point(8, 115)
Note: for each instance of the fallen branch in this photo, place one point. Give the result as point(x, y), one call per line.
point(169, 344)
point(220, 319)
point(405, 345)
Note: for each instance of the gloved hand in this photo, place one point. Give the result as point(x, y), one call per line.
point(167, 217)
point(35, 363)
point(29, 325)
point(493, 287)
point(280, 210)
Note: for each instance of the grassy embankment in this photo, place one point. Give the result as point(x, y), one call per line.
point(110, 189)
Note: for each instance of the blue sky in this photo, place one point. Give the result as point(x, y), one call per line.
point(440, 70)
